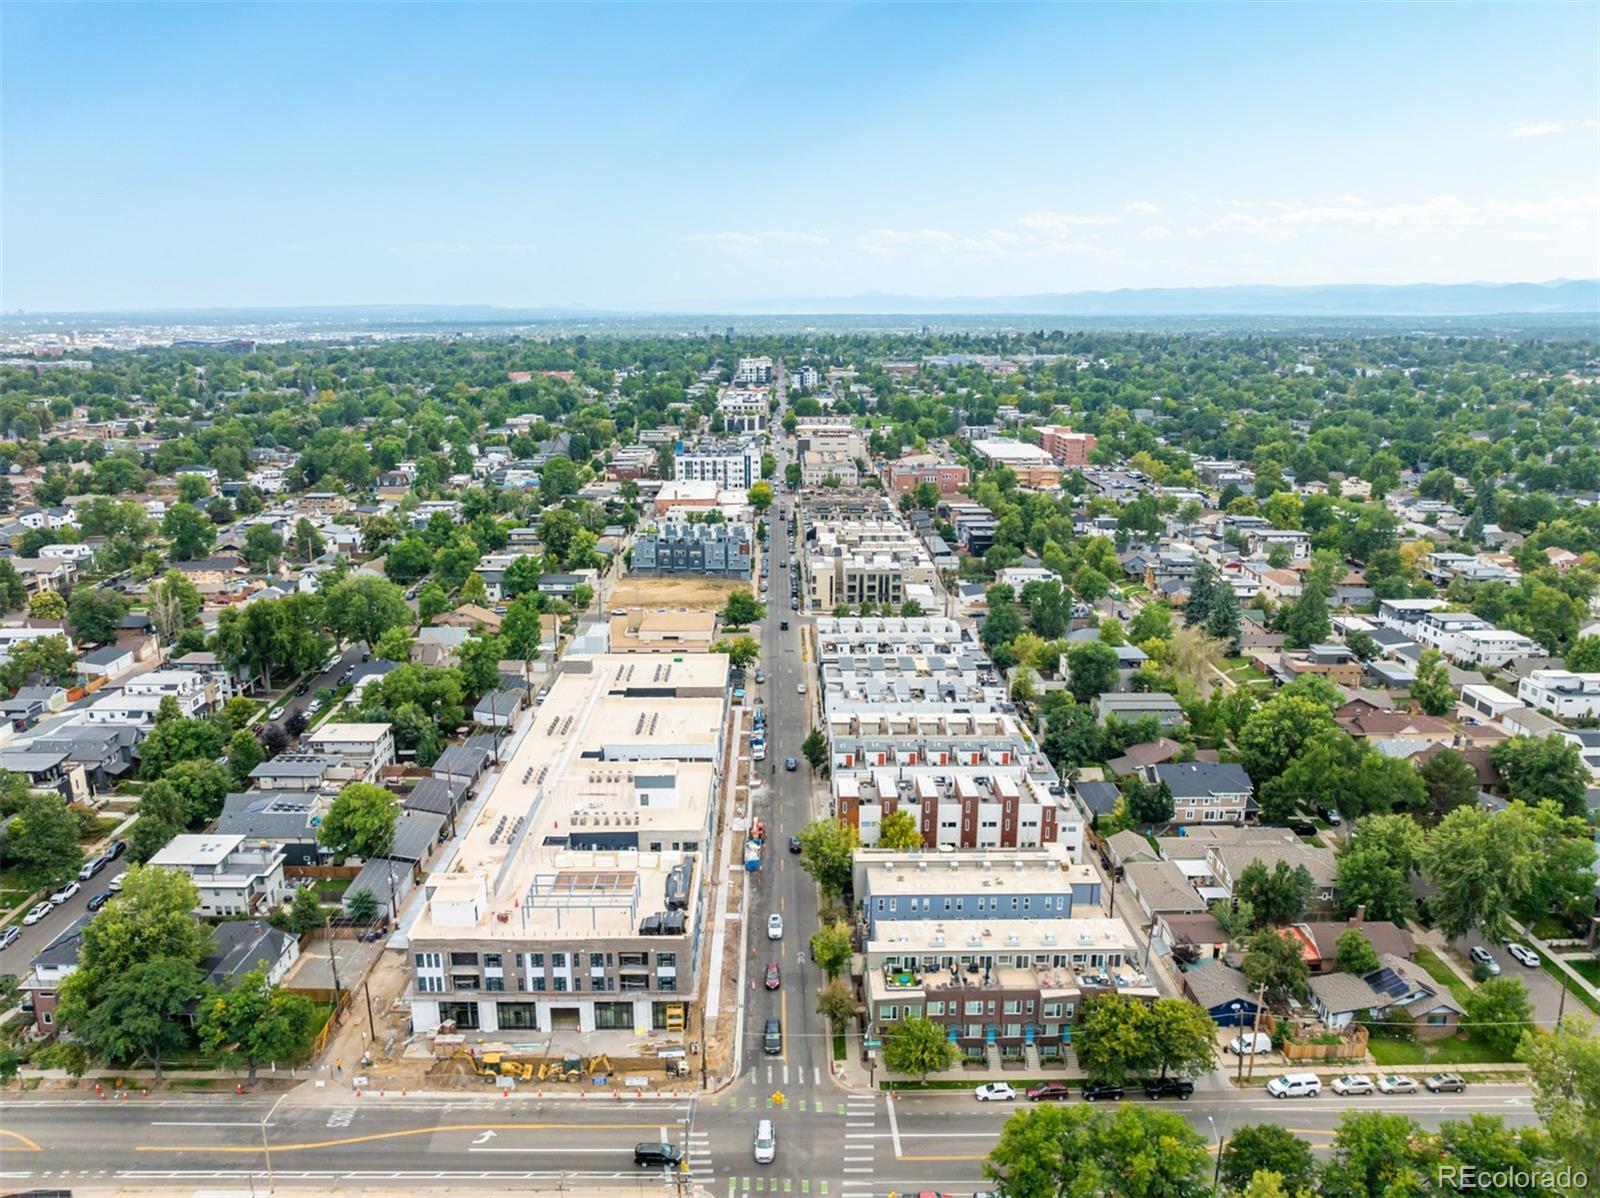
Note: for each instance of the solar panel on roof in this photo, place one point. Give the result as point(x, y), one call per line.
point(1388, 983)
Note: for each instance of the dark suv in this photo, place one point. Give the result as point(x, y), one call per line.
point(1168, 1087)
point(660, 1156)
point(1102, 1092)
point(772, 1041)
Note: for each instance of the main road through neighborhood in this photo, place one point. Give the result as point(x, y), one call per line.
point(831, 1143)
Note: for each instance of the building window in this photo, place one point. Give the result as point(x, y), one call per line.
point(535, 960)
point(889, 1011)
point(665, 960)
point(468, 959)
point(560, 984)
point(935, 1008)
point(973, 1008)
point(517, 1016)
point(491, 960)
point(1013, 1007)
point(558, 960)
point(494, 983)
point(463, 1014)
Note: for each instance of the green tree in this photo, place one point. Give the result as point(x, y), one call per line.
point(172, 741)
point(190, 534)
point(742, 651)
point(1493, 1150)
point(1378, 1154)
point(826, 849)
point(362, 905)
point(244, 754)
point(42, 842)
point(1273, 960)
point(431, 601)
point(174, 604)
point(1535, 769)
point(1564, 1070)
point(393, 645)
point(408, 559)
point(918, 1047)
point(46, 605)
point(362, 608)
point(306, 543)
point(899, 832)
point(837, 1004)
point(1448, 782)
point(480, 664)
point(761, 496)
point(1091, 670)
point(1147, 803)
point(1499, 1013)
point(815, 749)
point(474, 590)
point(1076, 1151)
point(263, 547)
point(1278, 895)
point(1183, 1039)
point(1305, 621)
point(1266, 1147)
point(1114, 1038)
point(253, 1021)
point(831, 947)
point(138, 967)
point(201, 786)
point(1277, 731)
point(96, 613)
point(1354, 953)
point(1480, 867)
point(1376, 864)
point(1431, 687)
point(742, 609)
point(305, 912)
point(1584, 656)
point(360, 823)
point(13, 593)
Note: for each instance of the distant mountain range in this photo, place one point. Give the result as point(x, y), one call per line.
point(1569, 298)
point(1563, 297)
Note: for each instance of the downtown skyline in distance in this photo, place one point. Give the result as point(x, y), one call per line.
point(627, 157)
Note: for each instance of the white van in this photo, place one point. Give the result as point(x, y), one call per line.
point(1295, 1085)
point(1249, 1043)
point(766, 1142)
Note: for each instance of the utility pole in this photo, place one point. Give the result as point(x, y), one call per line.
point(372, 1031)
point(333, 959)
point(1261, 995)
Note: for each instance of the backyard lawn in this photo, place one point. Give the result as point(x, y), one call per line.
point(1443, 974)
point(1452, 1051)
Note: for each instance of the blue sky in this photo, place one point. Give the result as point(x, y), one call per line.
point(611, 155)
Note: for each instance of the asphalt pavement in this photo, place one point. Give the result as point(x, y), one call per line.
point(34, 939)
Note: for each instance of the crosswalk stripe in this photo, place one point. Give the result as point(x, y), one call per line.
point(788, 1185)
point(732, 1186)
point(816, 1075)
point(867, 1170)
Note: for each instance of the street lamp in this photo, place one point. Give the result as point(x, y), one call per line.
point(265, 1149)
point(1216, 1172)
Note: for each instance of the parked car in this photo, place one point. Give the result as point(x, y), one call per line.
point(766, 1145)
point(9, 937)
point(995, 1092)
point(60, 897)
point(100, 900)
point(657, 1155)
point(1353, 1083)
point(115, 885)
point(774, 926)
point(800, 688)
point(1102, 1092)
point(1395, 1083)
point(1523, 954)
point(1249, 1043)
point(116, 849)
point(1295, 1085)
point(1047, 1092)
point(761, 675)
point(1446, 1083)
point(1482, 956)
point(1168, 1087)
point(37, 913)
point(1302, 827)
point(783, 625)
point(774, 976)
point(91, 867)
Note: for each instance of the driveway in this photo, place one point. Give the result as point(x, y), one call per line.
point(1544, 992)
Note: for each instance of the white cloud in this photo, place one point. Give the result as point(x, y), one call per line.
point(1442, 213)
point(1058, 221)
point(750, 242)
point(1537, 129)
point(1156, 233)
point(1143, 208)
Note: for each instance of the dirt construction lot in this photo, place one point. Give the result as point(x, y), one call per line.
point(696, 594)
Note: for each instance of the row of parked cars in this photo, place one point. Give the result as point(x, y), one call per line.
point(1156, 1087)
point(1309, 1085)
point(67, 890)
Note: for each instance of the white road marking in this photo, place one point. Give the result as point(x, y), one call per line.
point(894, 1128)
point(202, 1123)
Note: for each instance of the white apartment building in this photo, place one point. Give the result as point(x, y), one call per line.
point(744, 410)
point(363, 749)
point(1562, 693)
point(754, 372)
point(232, 879)
point(732, 465)
point(805, 378)
point(191, 691)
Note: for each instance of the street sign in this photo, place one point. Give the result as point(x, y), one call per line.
point(872, 1044)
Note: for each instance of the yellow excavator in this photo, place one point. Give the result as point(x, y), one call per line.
point(572, 1069)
